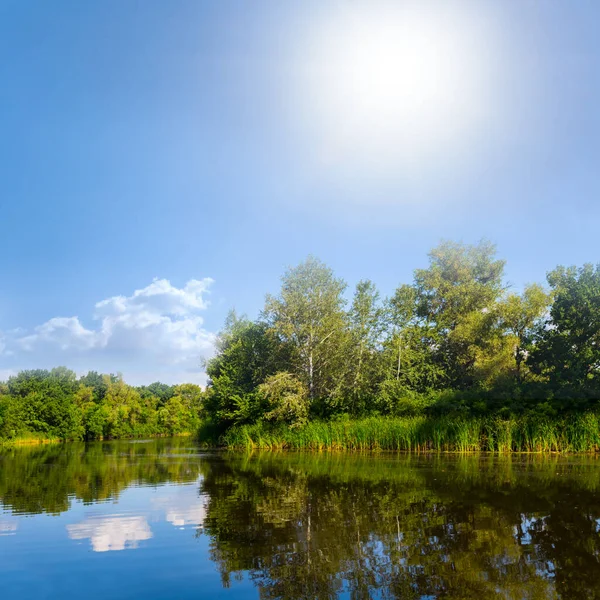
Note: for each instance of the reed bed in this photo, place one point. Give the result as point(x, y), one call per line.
point(577, 433)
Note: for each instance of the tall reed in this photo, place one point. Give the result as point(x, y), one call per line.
point(578, 433)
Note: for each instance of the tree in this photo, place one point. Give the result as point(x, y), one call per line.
point(366, 322)
point(308, 315)
point(520, 313)
point(123, 408)
point(44, 402)
point(409, 349)
point(567, 347)
point(98, 383)
point(247, 353)
point(457, 295)
point(287, 399)
point(181, 412)
point(161, 391)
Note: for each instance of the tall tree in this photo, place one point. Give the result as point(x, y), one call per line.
point(247, 353)
point(366, 321)
point(309, 315)
point(457, 295)
point(567, 348)
point(409, 348)
point(520, 313)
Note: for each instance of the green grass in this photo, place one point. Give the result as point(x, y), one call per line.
point(579, 433)
point(32, 439)
point(29, 439)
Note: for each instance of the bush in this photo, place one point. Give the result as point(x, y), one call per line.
point(287, 399)
point(395, 399)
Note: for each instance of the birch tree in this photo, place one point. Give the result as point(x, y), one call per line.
point(366, 321)
point(308, 314)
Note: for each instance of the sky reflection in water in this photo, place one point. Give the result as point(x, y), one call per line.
point(163, 519)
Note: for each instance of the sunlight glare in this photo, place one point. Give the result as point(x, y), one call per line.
point(396, 82)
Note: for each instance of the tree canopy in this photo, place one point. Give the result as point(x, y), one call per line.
point(455, 339)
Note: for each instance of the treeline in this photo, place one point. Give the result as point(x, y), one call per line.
point(56, 404)
point(455, 341)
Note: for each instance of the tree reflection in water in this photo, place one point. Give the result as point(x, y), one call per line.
point(316, 525)
point(46, 478)
point(312, 526)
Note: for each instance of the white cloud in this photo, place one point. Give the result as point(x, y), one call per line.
point(156, 333)
point(64, 332)
point(111, 533)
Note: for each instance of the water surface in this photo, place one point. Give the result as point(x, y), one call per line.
point(163, 519)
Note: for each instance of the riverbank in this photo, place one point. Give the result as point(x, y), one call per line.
point(577, 433)
point(28, 440)
point(33, 440)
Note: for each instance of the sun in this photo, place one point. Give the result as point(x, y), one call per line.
point(396, 81)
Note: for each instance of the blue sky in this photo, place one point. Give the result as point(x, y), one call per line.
point(208, 145)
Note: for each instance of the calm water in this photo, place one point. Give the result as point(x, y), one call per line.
point(162, 519)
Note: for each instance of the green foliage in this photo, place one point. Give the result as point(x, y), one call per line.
point(247, 353)
point(365, 361)
point(519, 315)
point(394, 398)
point(98, 383)
point(308, 316)
point(453, 342)
point(456, 298)
point(161, 391)
point(567, 347)
point(286, 399)
point(56, 405)
point(41, 402)
point(181, 412)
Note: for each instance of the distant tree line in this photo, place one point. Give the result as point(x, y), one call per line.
point(58, 404)
point(456, 340)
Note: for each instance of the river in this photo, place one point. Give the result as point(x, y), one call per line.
point(165, 519)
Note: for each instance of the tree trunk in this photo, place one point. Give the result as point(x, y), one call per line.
point(310, 376)
point(399, 357)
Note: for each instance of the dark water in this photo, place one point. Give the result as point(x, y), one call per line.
point(162, 519)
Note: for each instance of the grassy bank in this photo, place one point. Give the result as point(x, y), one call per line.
point(578, 433)
point(32, 439)
point(29, 439)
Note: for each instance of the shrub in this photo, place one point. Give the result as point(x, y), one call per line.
point(395, 399)
point(287, 399)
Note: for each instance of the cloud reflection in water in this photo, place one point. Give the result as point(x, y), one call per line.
point(115, 532)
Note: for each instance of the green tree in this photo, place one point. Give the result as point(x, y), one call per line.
point(457, 296)
point(567, 347)
point(286, 398)
point(366, 322)
point(520, 314)
point(309, 316)
point(123, 407)
point(181, 412)
point(161, 391)
point(44, 402)
point(98, 383)
point(246, 354)
point(409, 349)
